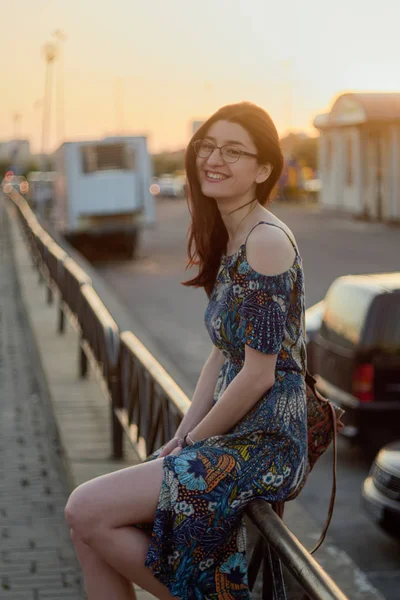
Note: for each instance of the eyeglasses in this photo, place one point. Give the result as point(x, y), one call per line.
point(229, 154)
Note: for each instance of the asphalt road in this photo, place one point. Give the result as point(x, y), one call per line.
point(173, 317)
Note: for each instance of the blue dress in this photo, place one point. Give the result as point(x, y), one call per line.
point(198, 543)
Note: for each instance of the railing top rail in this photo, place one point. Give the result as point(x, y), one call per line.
point(314, 580)
point(72, 267)
point(99, 308)
point(157, 372)
point(57, 252)
point(28, 215)
point(44, 239)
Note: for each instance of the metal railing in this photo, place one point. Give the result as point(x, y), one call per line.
point(148, 406)
point(71, 279)
point(152, 405)
point(277, 543)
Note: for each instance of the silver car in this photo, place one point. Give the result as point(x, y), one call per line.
point(381, 489)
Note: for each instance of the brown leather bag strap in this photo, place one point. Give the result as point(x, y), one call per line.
point(279, 506)
point(333, 494)
point(311, 381)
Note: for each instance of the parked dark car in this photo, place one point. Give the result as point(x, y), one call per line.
point(314, 316)
point(354, 351)
point(381, 489)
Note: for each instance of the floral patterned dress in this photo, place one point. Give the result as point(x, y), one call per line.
point(198, 543)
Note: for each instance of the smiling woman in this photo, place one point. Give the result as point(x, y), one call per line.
point(244, 435)
point(234, 157)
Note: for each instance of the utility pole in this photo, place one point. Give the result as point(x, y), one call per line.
point(50, 53)
point(61, 37)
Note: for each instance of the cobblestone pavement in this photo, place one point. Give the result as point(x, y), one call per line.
point(37, 560)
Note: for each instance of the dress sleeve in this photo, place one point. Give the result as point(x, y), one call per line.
point(263, 311)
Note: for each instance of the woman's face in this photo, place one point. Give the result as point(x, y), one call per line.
point(221, 179)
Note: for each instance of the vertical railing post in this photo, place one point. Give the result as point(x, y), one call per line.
point(50, 295)
point(116, 403)
point(61, 319)
point(255, 561)
point(273, 575)
point(267, 575)
point(83, 361)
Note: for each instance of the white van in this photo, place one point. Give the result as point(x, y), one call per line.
point(102, 192)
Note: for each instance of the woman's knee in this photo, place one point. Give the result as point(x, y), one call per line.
point(95, 506)
point(80, 513)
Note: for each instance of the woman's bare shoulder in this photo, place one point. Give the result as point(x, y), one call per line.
point(269, 250)
point(271, 218)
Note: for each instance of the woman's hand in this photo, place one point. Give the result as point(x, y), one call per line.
point(177, 450)
point(174, 444)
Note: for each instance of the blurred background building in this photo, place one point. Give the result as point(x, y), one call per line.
point(359, 151)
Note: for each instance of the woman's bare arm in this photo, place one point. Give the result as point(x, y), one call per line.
point(267, 254)
point(249, 385)
point(203, 394)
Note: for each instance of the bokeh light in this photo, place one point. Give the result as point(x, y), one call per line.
point(24, 187)
point(154, 189)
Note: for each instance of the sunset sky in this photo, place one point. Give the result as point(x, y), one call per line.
point(182, 59)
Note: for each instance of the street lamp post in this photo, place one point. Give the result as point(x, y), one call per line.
point(50, 53)
point(61, 37)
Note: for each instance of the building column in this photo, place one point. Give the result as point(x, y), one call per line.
point(324, 170)
point(358, 174)
point(394, 213)
point(338, 169)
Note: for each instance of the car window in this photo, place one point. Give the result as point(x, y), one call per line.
point(346, 307)
point(385, 322)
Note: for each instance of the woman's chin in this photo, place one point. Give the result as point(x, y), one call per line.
point(214, 190)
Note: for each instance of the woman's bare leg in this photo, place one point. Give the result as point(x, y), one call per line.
point(102, 582)
point(102, 511)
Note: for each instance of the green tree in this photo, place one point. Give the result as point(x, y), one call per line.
point(307, 152)
point(302, 148)
point(168, 162)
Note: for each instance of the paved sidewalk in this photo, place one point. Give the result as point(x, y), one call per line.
point(37, 560)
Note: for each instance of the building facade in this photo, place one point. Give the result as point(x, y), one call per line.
point(359, 155)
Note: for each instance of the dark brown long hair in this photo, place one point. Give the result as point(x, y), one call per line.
point(207, 236)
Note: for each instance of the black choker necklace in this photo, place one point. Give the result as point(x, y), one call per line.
point(243, 205)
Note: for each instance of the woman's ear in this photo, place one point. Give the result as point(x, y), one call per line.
point(264, 171)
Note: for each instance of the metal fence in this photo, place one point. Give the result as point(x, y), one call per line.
point(147, 405)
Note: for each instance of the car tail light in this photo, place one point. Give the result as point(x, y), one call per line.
point(363, 383)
